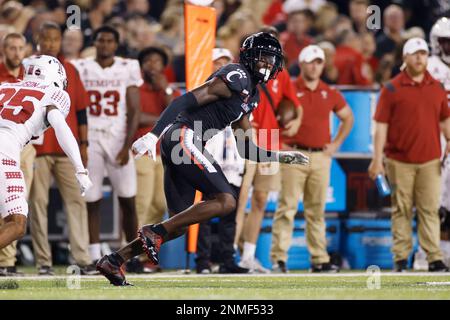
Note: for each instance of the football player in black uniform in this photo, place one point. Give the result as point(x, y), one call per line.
point(226, 98)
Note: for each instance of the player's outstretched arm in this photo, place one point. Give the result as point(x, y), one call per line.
point(69, 145)
point(249, 150)
point(208, 92)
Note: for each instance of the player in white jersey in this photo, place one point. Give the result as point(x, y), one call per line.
point(439, 62)
point(439, 67)
point(112, 83)
point(27, 109)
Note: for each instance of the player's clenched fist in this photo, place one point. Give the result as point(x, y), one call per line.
point(292, 157)
point(83, 181)
point(146, 143)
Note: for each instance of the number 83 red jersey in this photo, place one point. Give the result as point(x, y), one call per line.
point(23, 112)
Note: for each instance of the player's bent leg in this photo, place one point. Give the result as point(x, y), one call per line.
point(111, 266)
point(219, 206)
point(152, 236)
point(181, 181)
point(179, 195)
point(176, 234)
point(14, 228)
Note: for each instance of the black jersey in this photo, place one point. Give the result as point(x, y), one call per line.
point(218, 115)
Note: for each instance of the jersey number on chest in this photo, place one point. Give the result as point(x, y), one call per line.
point(14, 106)
point(112, 98)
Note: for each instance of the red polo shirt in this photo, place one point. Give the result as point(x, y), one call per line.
point(292, 46)
point(413, 112)
point(6, 77)
point(317, 105)
point(152, 102)
point(264, 116)
point(79, 100)
point(274, 13)
point(350, 64)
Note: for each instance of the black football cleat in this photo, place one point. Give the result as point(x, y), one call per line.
point(279, 267)
point(112, 270)
point(401, 266)
point(324, 268)
point(151, 242)
point(46, 271)
point(232, 268)
point(437, 266)
point(10, 272)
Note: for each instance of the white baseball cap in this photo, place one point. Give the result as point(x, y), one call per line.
point(413, 45)
point(218, 53)
point(310, 53)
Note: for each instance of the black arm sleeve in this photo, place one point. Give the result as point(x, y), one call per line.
point(82, 117)
point(250, 151)
point(169, 115)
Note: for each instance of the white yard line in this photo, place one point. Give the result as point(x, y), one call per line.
point(170, 275)
point(436, 283)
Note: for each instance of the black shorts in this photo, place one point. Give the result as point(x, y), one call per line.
point(189, 167)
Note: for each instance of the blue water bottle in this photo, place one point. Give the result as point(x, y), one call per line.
point(382, 185)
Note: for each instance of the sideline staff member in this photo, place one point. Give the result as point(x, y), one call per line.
point(409, 111)
point(313, 138)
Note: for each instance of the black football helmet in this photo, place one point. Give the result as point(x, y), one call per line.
point(257, 46)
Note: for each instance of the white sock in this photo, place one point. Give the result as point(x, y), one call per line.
point(106, 250)
point(95, 251)
point(249, 251)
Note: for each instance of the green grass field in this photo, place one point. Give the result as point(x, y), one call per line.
point(174, 285)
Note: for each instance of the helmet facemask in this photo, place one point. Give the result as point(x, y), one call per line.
point(62, 85)
point(257, 54)
point(264, 73)
point(441, 32)
point(444, 49)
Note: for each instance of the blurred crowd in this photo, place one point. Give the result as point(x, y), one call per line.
point(356, 55)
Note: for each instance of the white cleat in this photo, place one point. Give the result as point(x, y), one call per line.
point(254, 266)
